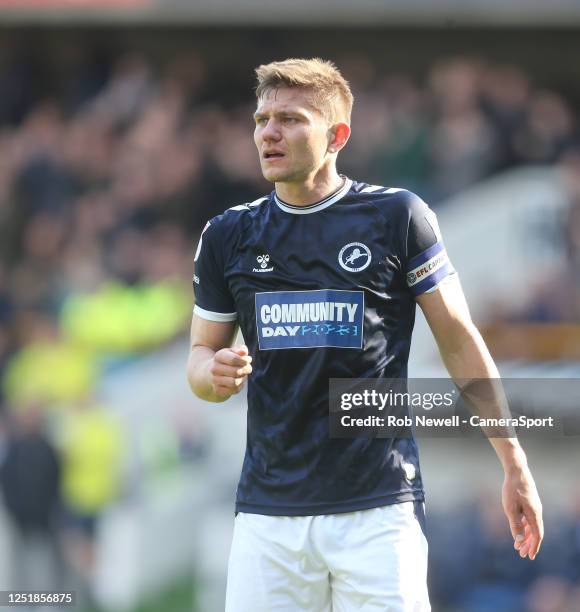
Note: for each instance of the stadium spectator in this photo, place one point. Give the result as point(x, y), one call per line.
point(91, 446)
point(30, 473)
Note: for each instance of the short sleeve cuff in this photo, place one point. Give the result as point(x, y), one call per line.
point(219, 317)
point(450, 278)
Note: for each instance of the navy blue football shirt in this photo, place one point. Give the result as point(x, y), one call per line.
point(320, 291)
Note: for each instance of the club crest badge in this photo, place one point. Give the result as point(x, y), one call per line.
point(354, 257)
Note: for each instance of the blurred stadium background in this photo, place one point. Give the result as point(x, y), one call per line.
point(124, 126)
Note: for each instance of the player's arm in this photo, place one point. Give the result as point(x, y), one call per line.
point(216, 369)
point(466, 357)
point(434, 284)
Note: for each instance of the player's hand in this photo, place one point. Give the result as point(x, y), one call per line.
point(523, 508)
point(229, 369)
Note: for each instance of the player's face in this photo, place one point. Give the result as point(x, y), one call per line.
point(291, 135)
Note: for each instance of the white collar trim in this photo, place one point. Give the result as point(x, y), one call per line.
point(312, 208)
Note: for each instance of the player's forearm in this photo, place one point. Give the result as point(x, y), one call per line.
point(510, 453)
point(469, 363)
point(465, 354)
point(198, 374)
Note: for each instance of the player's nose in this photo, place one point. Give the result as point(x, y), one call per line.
point(271, 131)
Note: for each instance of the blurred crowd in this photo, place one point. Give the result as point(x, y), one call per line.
point(557, 298)
point(55, 483)
point(474, 567)
point(109, 169)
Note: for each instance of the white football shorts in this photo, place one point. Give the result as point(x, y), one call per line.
point(362, 561)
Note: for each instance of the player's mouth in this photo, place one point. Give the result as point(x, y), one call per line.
point(273, 155)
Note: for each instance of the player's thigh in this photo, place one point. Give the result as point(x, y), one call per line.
point(272, 567)
point(382, 564)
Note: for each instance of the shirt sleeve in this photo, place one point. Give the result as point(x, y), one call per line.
point(427, 262)
point(213, 300)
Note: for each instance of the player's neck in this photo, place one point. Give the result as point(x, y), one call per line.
point(311, 191)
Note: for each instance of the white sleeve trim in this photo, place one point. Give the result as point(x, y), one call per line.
point(449, 279)
point(220, 317)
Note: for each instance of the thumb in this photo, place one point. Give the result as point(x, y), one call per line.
point(241, 350)
point(517, 526)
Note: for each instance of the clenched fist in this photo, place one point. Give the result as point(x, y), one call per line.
point(229, 369)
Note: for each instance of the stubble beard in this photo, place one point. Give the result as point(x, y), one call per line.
point(289, 175)
point(279, 176)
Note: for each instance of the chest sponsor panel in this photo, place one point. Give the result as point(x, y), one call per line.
point(308, 319)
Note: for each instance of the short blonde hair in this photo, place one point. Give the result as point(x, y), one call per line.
point(330, 90)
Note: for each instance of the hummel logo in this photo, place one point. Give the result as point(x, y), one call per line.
point(263, 260)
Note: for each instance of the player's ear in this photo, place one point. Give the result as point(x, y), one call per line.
point(338, 137)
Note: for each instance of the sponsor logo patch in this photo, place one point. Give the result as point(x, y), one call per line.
point(308, 319)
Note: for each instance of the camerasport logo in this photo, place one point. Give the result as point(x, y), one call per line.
point(263, 261)
point(354, 257)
